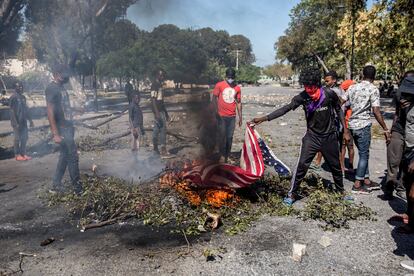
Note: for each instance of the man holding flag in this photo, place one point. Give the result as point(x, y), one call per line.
point(320, 105)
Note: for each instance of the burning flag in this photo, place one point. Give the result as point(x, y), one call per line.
point(254, 156)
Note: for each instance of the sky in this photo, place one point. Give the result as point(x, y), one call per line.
point(262, 21)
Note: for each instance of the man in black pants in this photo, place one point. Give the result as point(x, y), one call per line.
point(395, 149)
point(19, 115)
point(320, 105)
point(406, 90)
point(227, 100)
point(63, 132)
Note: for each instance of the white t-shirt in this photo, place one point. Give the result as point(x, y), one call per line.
point(362, 97)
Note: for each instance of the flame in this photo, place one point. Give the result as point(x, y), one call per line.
point(214, 197)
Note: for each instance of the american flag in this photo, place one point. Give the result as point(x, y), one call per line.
point(255, 155)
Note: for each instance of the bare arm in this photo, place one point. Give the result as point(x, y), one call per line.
point(239, 111)
point(52, 122)
point(379, 118)
point(155, 108)
point(13, 116)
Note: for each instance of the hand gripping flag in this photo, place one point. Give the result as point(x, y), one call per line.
point(255, 155)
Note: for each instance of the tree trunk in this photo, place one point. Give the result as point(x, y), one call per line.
point(322, 63)
point(348, 68)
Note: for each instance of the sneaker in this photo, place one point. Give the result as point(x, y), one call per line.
point(408, 264)
point(222, 160)
point(401, 194)
point(360, 190)
point(288, 201)
point(373, 186)
point(315, 167)
point(27, 157)
point(20, 158)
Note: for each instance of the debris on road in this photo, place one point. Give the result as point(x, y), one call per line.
point(47, 241)
point(325, 241)
point(299, 251)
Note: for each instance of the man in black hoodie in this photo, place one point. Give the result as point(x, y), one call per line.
point(321, 106)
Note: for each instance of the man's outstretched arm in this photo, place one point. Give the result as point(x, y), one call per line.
point(277, 113)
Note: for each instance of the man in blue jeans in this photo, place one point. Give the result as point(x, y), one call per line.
point(63, 132)
point(363, 98)
point(227, 100)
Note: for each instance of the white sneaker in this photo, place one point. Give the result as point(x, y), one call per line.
point(408, 264)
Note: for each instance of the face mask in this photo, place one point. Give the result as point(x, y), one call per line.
point(313, 91)
point(230, 81)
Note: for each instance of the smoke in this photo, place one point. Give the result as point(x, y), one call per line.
point(79, 99)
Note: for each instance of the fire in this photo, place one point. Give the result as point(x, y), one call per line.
point(215, 197)
point(218, 198)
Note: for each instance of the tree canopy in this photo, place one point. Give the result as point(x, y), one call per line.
point(186, 55)
point(320, 31)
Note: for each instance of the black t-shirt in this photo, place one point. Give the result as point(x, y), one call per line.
point(321, 121)
point(54, 97)
point(397, 126)
point(19, 107)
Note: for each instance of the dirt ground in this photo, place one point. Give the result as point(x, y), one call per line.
point(130, 248)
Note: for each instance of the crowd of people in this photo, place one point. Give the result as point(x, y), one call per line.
point(337, 115)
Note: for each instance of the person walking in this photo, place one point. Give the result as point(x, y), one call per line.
point(363, 98)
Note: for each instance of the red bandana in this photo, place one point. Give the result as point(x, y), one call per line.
point(313, 91)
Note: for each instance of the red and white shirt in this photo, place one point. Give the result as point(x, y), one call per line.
point(227, 96)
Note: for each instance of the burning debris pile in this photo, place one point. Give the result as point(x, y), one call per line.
point(186, 208)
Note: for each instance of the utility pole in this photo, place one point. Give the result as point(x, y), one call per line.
point(237, 58)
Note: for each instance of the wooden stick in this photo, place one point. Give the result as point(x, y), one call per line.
point(111, 119)
point(105, 222)
point(188, 243)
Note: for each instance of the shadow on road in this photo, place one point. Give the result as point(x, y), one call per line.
point(6, 190)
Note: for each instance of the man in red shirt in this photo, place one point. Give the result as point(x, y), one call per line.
point(227, 99)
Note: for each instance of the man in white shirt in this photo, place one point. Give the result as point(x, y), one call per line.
point(363, 98)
